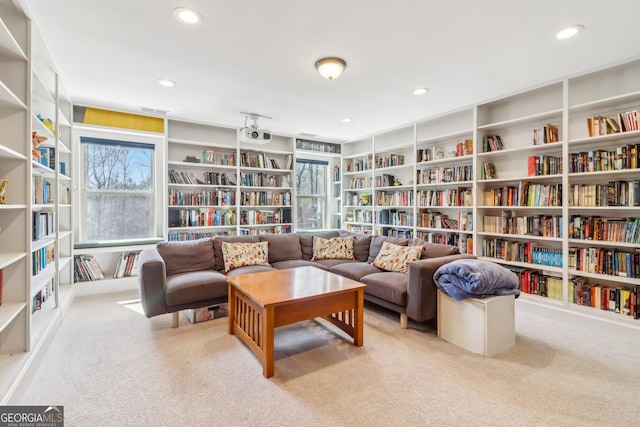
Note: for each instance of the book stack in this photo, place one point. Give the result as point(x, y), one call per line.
point(127, 265)
point(87, 269)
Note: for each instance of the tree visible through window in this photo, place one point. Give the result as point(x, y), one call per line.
point(118, 191)
point(311, 182)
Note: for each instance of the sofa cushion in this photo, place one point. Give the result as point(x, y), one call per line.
point(376, 245)
point(360, 246)
point(242, 254)
point(354, 270)
point(388, 286)
point(282, 247)
point(333, 248)
point(194, 286)
point(295, 263)
point(306, 242)
point(217, 247)
point(328, 263)
point(189, 255)
point(434, 250)
point(397, 258)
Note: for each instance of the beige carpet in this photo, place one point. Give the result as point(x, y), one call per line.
point(111, 366)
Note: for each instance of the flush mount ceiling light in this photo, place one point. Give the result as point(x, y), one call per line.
point(187, 16)
point(567, 32)
point(347, 120)
point(166, 82)
point(420, 91)
point(330, 68)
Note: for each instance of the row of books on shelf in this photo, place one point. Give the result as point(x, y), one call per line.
point(622, 158)
point(323, 147)
point(463, 220)
point(219, 178)
point(535, 282)
point(399, 233)
point(607, 229)
point(545, 135)
point(224, 197)
point(526, 225)
point(48, 159)
point(488, 171)
point(357, 199)
point(44, 224)
point(86, 269)
point(42, 257)
point(259, 217)
point(608, 261)
point(544, 165)
point(462, 148)
point(179, 236)
point(464, 242)
point(389, 160)
point(337, 175)
point(492, 143)
point(524, 194)
point(41, 190)
point(622, 122)
point(458, 173)
point(278, 229)
point(265, 180)
point(43, 295)
point(384, 180)
point(613, 193)
point(361, 182)
point(358, 215)
point(263, 161)
point(395, 198)
point(359, 164)
point(461, 196)
point(394, 217)
point(518, 251)
point(127, 265)
point(202, 217)
point(265, 198)
point(181, 177)
point(212, 157)
point(622, 300)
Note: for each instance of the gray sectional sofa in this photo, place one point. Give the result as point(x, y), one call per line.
point(175, 276)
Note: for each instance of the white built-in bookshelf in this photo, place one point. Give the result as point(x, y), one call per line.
point(36, 271)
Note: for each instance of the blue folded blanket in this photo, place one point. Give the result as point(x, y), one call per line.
point(474, 278)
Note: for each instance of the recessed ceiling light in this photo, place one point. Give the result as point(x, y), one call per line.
point(571, 31)
point(166, 82)
point(187, 16)
point(347, 120)
point(421, 91)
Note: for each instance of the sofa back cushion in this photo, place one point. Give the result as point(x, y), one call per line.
point(217, 246)
point(361, 245)
point(376, 245)
point(189, 255)
point(282, 247)
point(306, 242)
point(434, 250)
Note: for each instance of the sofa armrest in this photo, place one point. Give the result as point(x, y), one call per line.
point(152, 278)
point(421, 289)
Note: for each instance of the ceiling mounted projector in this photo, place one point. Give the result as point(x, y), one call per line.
point(253, 134)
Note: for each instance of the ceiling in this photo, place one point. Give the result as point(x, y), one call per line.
point(258, 56)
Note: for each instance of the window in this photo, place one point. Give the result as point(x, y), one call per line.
point(311, 185)
point(118, 197)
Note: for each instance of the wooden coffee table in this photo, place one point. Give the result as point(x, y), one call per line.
point(260, 302)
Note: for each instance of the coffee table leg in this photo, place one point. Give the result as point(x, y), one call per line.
point(358, 330)
point(267, 342)
point(232, 308)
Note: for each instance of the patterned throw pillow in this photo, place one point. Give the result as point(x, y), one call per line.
point(397, 258)
point(241, 254)
point(333, 248)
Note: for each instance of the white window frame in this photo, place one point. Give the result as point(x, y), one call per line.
point(158, 191)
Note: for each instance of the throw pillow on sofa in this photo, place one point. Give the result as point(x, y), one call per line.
point(243, 254)
point(397, 258)
point(334, 248)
